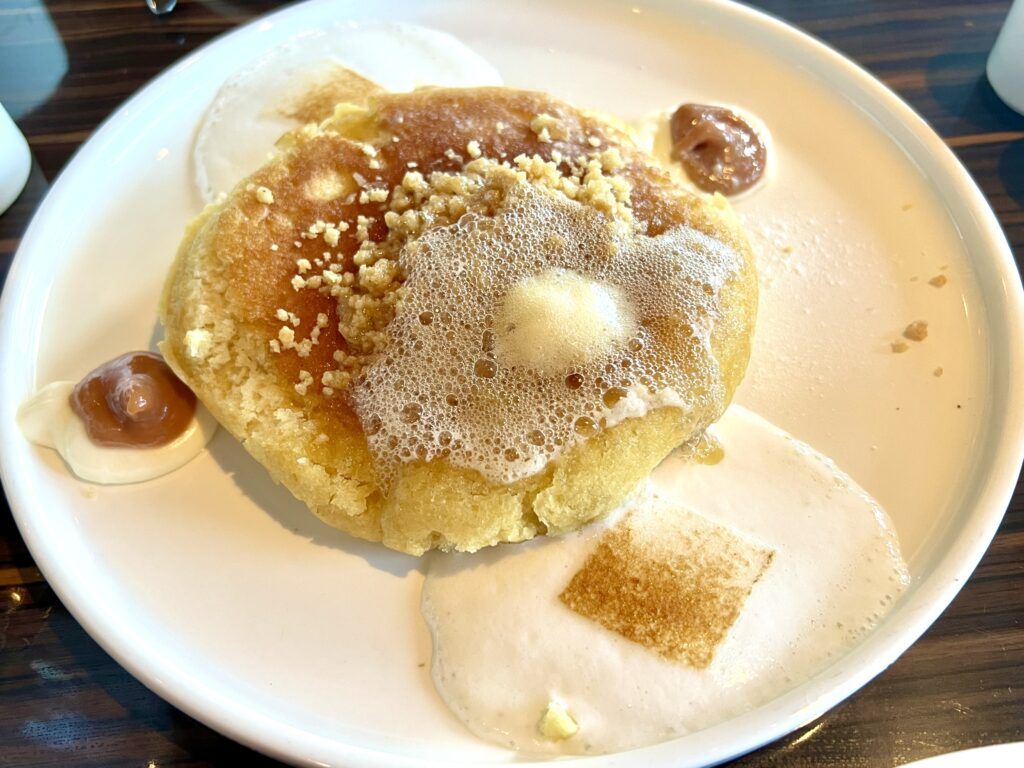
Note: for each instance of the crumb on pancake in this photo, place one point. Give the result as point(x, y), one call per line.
point(368, 296)
point(198, 342)
point(673, 581)
point(548, 128)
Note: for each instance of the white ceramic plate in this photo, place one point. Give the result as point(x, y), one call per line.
point(222, 594)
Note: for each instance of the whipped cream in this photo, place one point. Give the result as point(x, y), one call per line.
point(505, 645)
point(245, 119)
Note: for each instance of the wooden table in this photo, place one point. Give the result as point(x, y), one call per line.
point(64, 702)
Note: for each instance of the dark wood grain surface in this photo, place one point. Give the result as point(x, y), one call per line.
point(64, 702)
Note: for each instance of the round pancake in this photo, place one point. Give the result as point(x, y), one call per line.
point(234, 273)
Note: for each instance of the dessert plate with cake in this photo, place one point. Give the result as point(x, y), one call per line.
point(571, 387)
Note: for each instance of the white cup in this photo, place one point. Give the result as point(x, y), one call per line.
point(1006, 62)
point(15, 160)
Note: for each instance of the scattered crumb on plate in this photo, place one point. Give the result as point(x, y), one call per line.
point(916, 331)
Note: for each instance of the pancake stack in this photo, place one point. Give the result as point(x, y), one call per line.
point(289, 311)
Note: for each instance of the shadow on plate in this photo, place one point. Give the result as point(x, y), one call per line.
point(274, 499)
point(277, 501)
point(1011, 171)
point(957, 82)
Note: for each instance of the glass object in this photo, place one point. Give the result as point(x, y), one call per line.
point(15, 161)
point(160, 7)
point(1006, 63)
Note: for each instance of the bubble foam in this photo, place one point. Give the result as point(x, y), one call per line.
point(441, 390)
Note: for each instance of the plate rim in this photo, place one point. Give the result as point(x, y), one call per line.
point(994, 481)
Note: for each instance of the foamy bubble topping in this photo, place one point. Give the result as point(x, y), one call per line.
point(468, 375)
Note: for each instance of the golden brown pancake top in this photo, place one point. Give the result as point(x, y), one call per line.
point(426, 130)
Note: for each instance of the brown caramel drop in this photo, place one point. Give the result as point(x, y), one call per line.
point(133, 401)
point(720, 151)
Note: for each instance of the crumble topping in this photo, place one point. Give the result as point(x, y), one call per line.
point(305, 379)
point(370, 288)
point(264, 195)
point(548, 128)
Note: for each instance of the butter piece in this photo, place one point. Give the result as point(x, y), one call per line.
point(557, 320)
